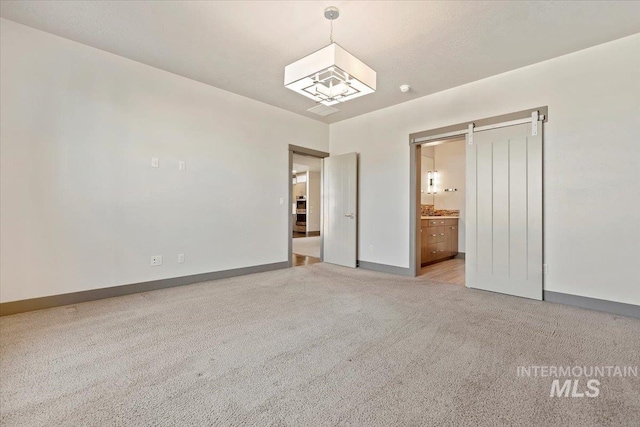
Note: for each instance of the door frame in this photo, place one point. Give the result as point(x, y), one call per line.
point(296, 149)
point(450, 132)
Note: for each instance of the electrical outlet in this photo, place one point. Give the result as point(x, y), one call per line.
point(182, 165)
point(155, 163)
point(282, 200)
point(156, 260)
point(370, 249)
point(180, 258)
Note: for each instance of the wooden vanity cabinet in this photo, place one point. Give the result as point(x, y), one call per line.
point(439, 239)
point(451, 237)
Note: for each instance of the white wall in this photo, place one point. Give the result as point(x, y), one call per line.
point(313, 201)
point(81, 206)
point(450, 163)
point(591, 164)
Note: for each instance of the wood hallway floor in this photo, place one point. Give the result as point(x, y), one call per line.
point(298, 260)
point(451, 271)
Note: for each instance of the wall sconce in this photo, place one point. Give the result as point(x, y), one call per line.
point(435, 181)
point(432, 182)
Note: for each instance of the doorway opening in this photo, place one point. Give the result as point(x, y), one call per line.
point(305, 195)
point(442, 210)
point(499, 226)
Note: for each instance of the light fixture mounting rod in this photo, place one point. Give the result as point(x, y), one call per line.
point(331, 13)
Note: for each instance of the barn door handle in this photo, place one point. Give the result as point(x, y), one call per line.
point(352, 216)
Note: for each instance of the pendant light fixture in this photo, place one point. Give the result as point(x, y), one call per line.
point(330, 75)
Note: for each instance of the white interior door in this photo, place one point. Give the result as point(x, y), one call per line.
point(504, 211)
point(340, 198)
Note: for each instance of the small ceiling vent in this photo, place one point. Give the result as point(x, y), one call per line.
point(323, 110)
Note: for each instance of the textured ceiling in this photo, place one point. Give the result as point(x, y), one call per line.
point(244, 46)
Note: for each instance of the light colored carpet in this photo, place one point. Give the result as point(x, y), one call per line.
point(308, 246)
point(311, 346)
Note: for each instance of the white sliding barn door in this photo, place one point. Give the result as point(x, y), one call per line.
point(504, 211)
point(340, 198)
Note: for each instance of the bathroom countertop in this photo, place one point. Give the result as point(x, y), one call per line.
point(440, 217)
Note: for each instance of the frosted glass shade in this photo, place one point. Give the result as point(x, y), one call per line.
point(330, 75)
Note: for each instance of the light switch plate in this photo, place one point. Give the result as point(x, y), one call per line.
point(182, 165)
point(180, 258)
point(155, 163)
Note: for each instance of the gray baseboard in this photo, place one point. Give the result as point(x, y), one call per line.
point(460, 255)
point(593, 304)
point(384, 268)
point(14, 307)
